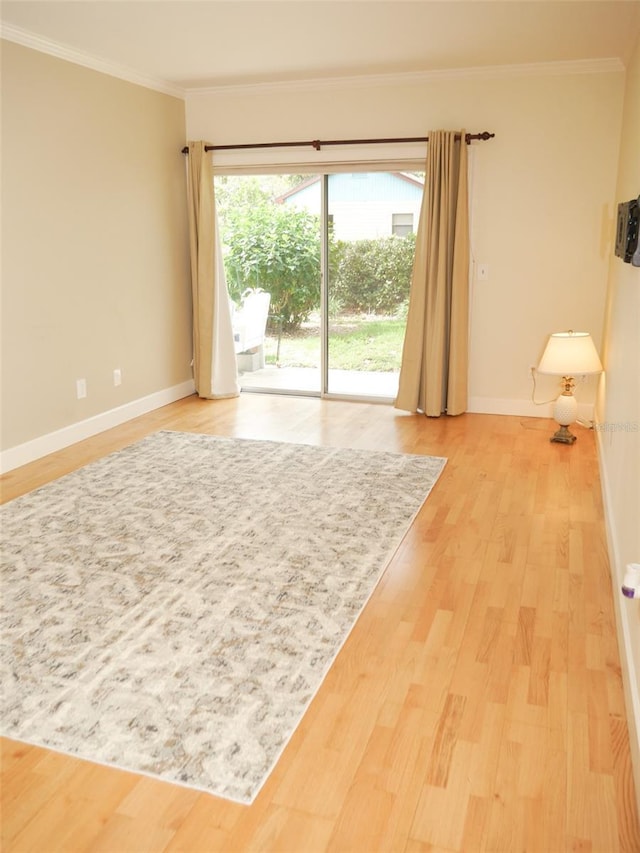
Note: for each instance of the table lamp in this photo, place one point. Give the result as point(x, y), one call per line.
point(568, 354)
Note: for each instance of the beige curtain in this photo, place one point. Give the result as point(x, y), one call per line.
point(214, 360)
point(433, 375)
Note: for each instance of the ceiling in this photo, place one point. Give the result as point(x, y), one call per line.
point(192, 44)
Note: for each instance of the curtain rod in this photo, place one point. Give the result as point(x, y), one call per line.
point(317, 143)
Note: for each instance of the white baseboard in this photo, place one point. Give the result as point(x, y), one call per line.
point(14, 457)
point(497, 406)
point(623, 613)
point(521, 408)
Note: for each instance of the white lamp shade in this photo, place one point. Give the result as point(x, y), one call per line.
point(570, 354)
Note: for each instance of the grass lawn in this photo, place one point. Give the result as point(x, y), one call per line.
point(361, 342)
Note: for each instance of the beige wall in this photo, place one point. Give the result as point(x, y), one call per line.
point(94, 243)
point(543, 194)
point(619, 409)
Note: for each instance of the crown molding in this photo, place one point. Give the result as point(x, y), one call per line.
point(26, 38)
point(532, 69)
point(78, 57)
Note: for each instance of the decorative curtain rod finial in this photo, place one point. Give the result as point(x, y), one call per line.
point(484, 136)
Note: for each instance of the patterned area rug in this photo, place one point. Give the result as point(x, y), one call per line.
point(173, 608)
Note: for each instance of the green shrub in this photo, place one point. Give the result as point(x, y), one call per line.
point(372, 276)
point(276, 248)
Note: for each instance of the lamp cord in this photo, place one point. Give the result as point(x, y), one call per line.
point(576, 380)
point(533, 393)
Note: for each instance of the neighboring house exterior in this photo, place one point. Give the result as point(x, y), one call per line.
point(363, 205)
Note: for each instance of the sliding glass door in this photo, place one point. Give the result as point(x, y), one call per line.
point(272, 245)
point(371, 218)
point(334, 253)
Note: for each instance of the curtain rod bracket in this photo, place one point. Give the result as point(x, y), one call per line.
point(316, 144)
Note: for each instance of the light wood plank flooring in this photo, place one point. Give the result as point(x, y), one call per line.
point(477, 705)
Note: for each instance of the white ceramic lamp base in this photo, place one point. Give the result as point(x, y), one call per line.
point(564, 412)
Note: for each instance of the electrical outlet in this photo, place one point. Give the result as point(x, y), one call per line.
point(81, 388)
point(117, 376)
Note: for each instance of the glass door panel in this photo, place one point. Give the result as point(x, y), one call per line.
point(372, 218)
point(271, 232)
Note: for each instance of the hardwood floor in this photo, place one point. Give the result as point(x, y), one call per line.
point(477, 704)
